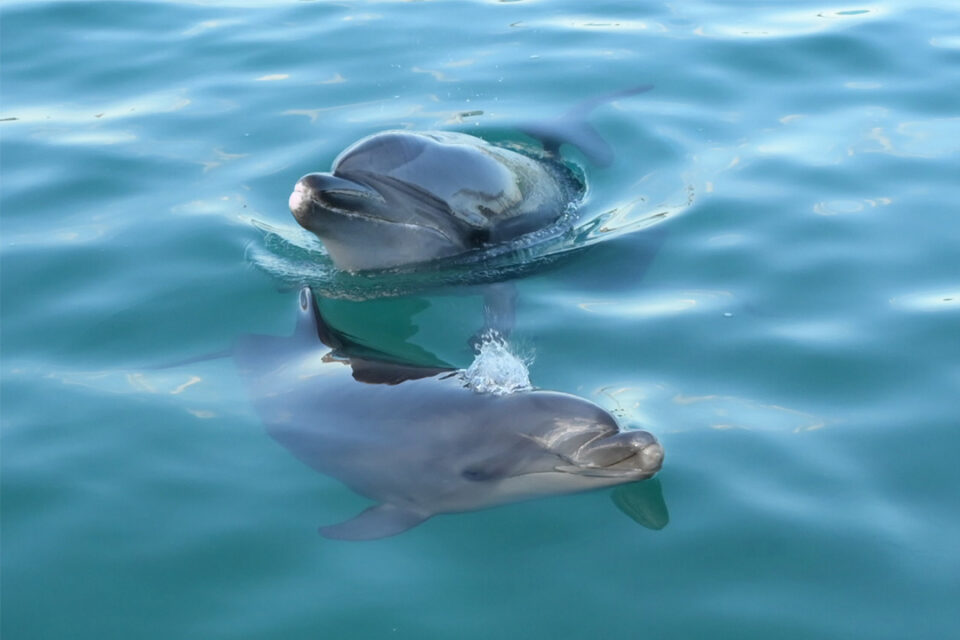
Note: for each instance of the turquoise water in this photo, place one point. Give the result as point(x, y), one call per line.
point(768, 278)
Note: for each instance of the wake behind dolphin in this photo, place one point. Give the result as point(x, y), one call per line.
point(417, 440)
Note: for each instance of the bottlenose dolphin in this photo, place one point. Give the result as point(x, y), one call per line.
point(403, 197)
point(419, 442)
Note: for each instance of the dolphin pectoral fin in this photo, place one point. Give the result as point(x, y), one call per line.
point(643, 502)
point(379, 521)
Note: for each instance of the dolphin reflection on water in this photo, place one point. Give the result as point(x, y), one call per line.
point(419, 442)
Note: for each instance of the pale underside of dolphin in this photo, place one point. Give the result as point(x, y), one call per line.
point(417, 441)
point(404, 197)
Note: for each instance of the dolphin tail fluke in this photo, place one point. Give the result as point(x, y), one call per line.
point(573, 128)
point(379, 521)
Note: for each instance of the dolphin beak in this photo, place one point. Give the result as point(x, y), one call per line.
point(326, 189)
point(297, 197)
point(626, 453)
point(645, 462)
point(651, 457)
point(316, 184)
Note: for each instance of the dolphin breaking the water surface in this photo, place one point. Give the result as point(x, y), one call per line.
point(417, 440)
point(402, 197)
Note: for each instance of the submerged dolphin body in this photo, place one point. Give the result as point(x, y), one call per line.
point(401, 197)
point(420, 443)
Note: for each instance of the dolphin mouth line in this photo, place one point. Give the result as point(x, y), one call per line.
point(631, 464)
point(347, 213)
point(606, 472)
point(620, 468)
point(356, 193)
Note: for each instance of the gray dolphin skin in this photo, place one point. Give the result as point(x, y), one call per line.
point(401, 197)
point(417, 441)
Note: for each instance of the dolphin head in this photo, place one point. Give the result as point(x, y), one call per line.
point(577, 446)
point(365, 228)
point(397, 198)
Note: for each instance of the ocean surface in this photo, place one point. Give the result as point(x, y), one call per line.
point(767, 277)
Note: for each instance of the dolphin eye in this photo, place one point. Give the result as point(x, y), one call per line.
point(475, 474)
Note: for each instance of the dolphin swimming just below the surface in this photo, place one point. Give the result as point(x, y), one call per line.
point(403, 197)
point(417, 440)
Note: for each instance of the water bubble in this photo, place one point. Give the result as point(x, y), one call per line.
point(496, 369)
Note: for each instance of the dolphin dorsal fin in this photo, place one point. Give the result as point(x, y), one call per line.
point(310, 323)
point(379, 521)
point(379, 372)
point(573, 128)
point(368, 365)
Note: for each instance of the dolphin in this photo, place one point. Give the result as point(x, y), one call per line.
point(404, 197)
point(418, 441)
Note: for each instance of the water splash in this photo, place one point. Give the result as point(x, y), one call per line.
point(496, 369)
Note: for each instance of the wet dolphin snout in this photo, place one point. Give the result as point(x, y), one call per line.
point(297, 197)
point(331, 193)
point(651, 457)
point(628, 449)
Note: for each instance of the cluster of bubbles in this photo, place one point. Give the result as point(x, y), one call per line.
point(496, 369)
